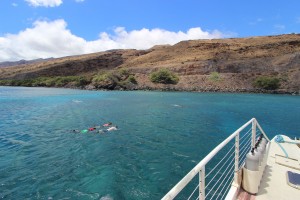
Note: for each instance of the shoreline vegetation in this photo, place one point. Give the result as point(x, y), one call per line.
point(267, 64)
point(122, 80)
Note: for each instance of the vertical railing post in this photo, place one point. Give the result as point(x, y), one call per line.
point(202, 183)
point(237, 155)
point(253, 133)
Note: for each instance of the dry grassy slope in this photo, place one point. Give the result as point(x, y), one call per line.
point(238, 61)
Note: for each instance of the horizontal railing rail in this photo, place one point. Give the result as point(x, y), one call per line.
point(214, 182)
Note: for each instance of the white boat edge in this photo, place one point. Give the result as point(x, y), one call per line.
point(262, 186)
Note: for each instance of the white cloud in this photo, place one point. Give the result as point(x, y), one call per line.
point(279, 27)
point(44, 3)
point(53, 39)
point(257, 21)
point(45, 39)
point(14, 4)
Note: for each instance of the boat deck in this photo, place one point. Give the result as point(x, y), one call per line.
point(280, 163)
point(274, 183)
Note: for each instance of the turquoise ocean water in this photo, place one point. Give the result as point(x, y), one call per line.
point(162, 136)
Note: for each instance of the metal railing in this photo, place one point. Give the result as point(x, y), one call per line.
point(218, 173)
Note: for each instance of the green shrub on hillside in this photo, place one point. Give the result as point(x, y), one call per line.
point(82, 81)
point(267, 83)
point(164, 76)
point(59, 81)
point(114, 78)
point(131, 79)
point(214, 76)
point(3, 82)
point(123, 72)
point(103, 77)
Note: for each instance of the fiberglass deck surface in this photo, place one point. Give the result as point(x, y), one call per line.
point(274, 181)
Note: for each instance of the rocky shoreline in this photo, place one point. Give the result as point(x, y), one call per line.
point(172, 89)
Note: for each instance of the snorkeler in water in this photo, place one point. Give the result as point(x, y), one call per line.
point(113, 128)
point(92, 129)
point(107, 124)
point(108, 127)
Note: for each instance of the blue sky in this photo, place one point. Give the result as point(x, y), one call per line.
point(31, 29)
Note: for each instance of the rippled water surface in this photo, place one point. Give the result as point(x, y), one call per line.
point(161, 137)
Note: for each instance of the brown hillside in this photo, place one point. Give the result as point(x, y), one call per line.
point(238, 63)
